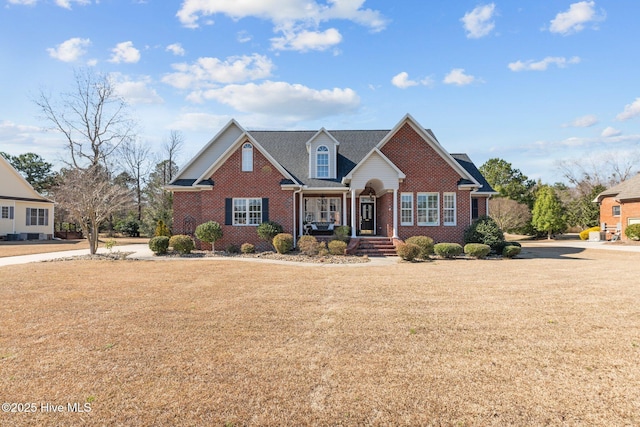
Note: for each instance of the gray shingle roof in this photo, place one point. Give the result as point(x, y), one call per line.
point(468, 165)
point(626, 190)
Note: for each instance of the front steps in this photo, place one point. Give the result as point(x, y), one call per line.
point(375, 246)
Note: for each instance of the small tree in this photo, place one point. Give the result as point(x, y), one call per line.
point(268, 230)
point(162, 229)
point(548, 213)
point(209, 232)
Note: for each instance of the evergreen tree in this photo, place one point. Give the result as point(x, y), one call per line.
point(548, 212)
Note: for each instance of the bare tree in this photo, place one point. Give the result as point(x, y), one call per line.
point(605, 170)
point(92, 118)
point(90, 198)
point(509, 214)
point(137, 162)
point(172, 148)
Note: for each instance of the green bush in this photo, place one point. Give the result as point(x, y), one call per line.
point(247, 248)
point(408, 251)
point(232, 249)
point(209, 232)
point(511, 251)
point(283, 242)
point(342, 233)
point(159, 245)
point(633, 232)
point(584, 234)
point(337, 247)
point(162, 229)
point(477, 250)
point(308, 245)
point(499, 247)
point(424, 243)
point(182, 243)
point(447, 250)
point(129, 227)
point(268, 230)
point(484, 230)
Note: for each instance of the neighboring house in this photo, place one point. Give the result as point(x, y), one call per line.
point(396, 183)
point(24, 214)
point(620, 206)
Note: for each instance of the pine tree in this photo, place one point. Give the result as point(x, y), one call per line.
point(548, 212)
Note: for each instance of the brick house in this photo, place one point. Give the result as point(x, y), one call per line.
point(620, 207)
point(393, 183)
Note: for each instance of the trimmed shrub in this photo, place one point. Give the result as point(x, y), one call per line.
point(129, 227)
point(247, 248)
point(511, 251)
point(424, 243)
point(268, 230)
point(337, 247)
point(499, 247)
point(342, 233)
point(162, 229)
point(484, 230)
point(448, 250)
point(232, 249)
point(283, 242)
point(408, 251)
point(584, 234)
point(633, 232)
point(159, 245)
point(477, 250)
point(209, 232)
point(308, 245)
point(182, 243)
point(322, 249)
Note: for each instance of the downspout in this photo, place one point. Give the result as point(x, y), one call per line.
point(14, 217)
point(295, 234)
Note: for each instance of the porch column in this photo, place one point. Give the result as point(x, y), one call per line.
point(353, 213)
point(344, 208)
point(395, 213)
point(302, 213)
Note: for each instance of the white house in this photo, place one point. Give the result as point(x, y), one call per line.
point(24, 214)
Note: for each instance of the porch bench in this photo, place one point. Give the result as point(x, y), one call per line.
point(318, 227)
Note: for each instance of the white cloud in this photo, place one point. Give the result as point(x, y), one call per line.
point(243, 37)
point(23, 2)
point(630, 111)
point(206, 72)
point(307, 40)
point(70, 50)
point(136, 91)
point(609, 132)
point(176, 49)
point(125, 52)
point(402, 81)
point(458, 77)
point(67, 3)
point(583, 122)
point(290, 100)
point(575, 19)
point(530, 65)
point(478, 23)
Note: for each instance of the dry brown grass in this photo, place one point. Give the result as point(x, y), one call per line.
point(44, 246)
point(550, 340)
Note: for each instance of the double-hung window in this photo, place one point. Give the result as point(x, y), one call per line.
point(449, 208)
point(615, 211)
point(428, 209)
point(406, 209)
point(247, 211)
point(322, 162)
point(6, 212)
point(37, 216)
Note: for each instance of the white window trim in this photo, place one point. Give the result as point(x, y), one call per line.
point(328, 154)
point(410, 209)
point(313, 214)
point(38, 219)
point(437, 209)
point(246, 211)
point(455, 209)
point(619, 211)
point(247, 157)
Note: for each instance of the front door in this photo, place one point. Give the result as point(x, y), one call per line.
point(367, 217)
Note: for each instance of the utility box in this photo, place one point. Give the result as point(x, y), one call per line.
point(597, 236)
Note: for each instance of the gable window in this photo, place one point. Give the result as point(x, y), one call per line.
point(6, 212)
point(322, 162)
point(449, 208)
point(428, 209)
point(247, 157)
point(37, 216)
point(247, 211)
point(616, 210)
point(406, 209)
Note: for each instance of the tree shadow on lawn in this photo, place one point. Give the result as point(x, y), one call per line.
point(554, 252)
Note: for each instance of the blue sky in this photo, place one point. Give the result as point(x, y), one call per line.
point(532, 82)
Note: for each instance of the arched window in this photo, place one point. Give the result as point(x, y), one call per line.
point(322, 162)
point(247, 157)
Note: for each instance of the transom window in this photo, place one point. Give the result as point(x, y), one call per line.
point(247, 211)
point(449, 208)
point(406, 209)
point(322, 162)
point(321, 209)
point(247, 157)
point(428, 212)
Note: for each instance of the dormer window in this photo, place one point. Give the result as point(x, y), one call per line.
point(322, 161)
point(247, 157)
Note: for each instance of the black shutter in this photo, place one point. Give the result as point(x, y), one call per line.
point(265, 209)
point(228, 211)
point(46, 217)
point(28, 216)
